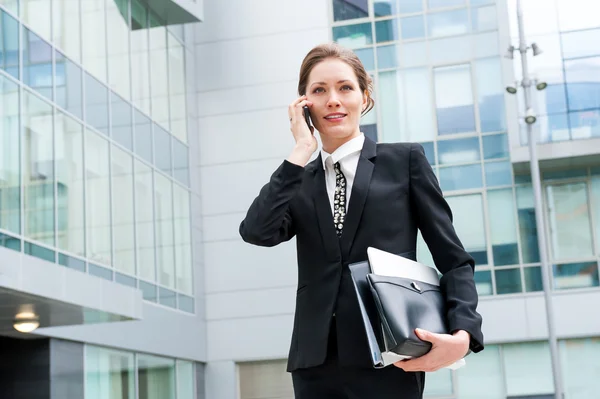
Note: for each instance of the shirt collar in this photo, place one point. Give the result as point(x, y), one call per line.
point(348, 148)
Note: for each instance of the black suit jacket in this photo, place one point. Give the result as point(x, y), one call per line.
point(395, 192)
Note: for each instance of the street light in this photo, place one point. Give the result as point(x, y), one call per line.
point(530, 119)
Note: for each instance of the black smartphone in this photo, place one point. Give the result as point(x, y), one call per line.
point(307, 115)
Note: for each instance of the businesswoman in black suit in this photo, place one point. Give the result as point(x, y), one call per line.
point(356, 194)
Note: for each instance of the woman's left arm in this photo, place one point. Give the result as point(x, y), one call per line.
point(434, 219)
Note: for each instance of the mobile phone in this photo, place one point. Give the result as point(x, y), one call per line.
point(307, 115)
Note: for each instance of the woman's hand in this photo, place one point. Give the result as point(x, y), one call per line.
point(306, 143)
point(446, 350)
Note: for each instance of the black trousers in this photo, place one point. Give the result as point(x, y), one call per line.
point(334, 381)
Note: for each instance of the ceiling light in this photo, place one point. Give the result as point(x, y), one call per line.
point(511, 89)
point(26, 322)
point(530, 117)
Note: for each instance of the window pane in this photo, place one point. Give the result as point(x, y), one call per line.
point(384, 7)
point(36, 14)
point(459, 151)
point(156, 377)
point(94, 37)
point(66, 30)
point(11, 5)
point(533, 279)
point(167, 297)
point(144, 220)
point(576, 275)
point(508, 281)
point(9, 51)
point(429, 152)
point(140, 80)
point(483, 377)
point(159, 99)
point(461, 177)
point(448, 23)
point(10, 171)
point(413, 27)
point(420, 124)
point(68, 85)
point(498, 174)
point(366, 57)
point(584, 124)
point(163, 208)
point(468, 222)
point(97, 199)
point(414, 54)
point(386, 31)
point(454, 99)
point(579, 363)
point(438, 383)
point(117, 17)
point(181, 168)
point(109, 374)
point(353, 36)
point(38, 169)
point(143, 136)
point(527, 225)
point(577, 14)
point(410, 6)
point(148, 291)
point(388, 57)
point(495, 147)
point(450, 50)
point(96, 104)
point(583, 79)
point(503, 227)
point(177, 102)
point(121, 129)
point(490, 95)
point(528, 369)
point(569, 221)
point(69, 180)
point(185, 380)
point(122, 199)
point(581, 43)
point(183, 242)
point(483, 282)
point(348, 9)
point(162, 143)
point(37, 64)
point(596, 207)
point(444, 3)
point(484, 18)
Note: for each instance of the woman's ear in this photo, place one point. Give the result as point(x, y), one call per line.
point(366, 97)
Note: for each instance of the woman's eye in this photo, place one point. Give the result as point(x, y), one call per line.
point(346, 87)
point(318, 90)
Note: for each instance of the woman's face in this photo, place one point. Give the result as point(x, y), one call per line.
point(337, 102)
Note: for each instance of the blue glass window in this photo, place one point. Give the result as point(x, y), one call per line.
point(459, 151)
point(39, 252)
point(167, 297)
point(387, 57)
point(576, 275)
point(582, 43)
point(149, 291)
point(498, 174)
point(448, 23)
point(483, 282)
point(527, 225)
point(413, 27)
point(71, 263)
point(461, 177)
point(348, 9)
point(96, 104)
point(100, 271)
point(10, 242)
point(585, 124)
point(382, 8)
point(122, 129)
point(37, 63)
point(186, 303)
point(353, 36)
point(68, 85)
point(366, 57)
point(444, 3)
point(125, 280)
point(583, 83)
point(181, 166)
point(162, 143)
point(410, 6)
point(495, 147)
point(490, 95)
point(533, 279)
point(429, 152)
point(555, 99)
point(503, 227)
point(454, 99)
point(9, 45)
point(508, 281)
point(386, 31)
point(143, 136)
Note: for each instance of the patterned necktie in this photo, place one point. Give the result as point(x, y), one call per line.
point(339, 199)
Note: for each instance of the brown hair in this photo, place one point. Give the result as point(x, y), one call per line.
point(334, 50)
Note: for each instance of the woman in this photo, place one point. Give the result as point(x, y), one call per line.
point(356, 194)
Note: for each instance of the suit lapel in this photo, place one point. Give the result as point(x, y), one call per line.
point(360, 189)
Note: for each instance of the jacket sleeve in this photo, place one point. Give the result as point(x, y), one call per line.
point(268, 221)
point(434, 219)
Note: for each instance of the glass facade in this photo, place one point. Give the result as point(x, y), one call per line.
point(94, 161)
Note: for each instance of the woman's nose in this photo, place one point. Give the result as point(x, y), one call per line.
point(333, 102)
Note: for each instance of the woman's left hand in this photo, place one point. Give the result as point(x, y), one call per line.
point(446, 350)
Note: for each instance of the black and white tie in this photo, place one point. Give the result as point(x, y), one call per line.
point(339, 199)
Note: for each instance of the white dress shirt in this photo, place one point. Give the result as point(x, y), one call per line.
point(347, 155)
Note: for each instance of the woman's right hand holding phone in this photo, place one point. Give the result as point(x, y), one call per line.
point(306, 143)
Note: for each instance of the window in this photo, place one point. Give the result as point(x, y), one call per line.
point(382, 8)
point(595, 190)
point(583, 84)
point(159, 100)
point(454, 100)
point(345, 9)
point(96, 104)
point(143, 136)
point(37, 14)
point(438, 383)
point(163, 208)
point(498, 174)
point(121, 129)
point(495, 147)
point(482, 378)
point(528, 369)
point(508, 281)
point(119, 75)
point(413, 27)
point(37, 64)
point(38, 169)
point(527, 225)
point(185, 380)
point(140, 61)
point(109, 374)
point(576, 14)
point(68, 85)
point(469, 225)
point(177, 103)
point(10, 170)
point(580, 367)
point(444, 3)
point(410, 6)
point(94, 38)
point(181, 168)
point(492, 116)
point(162, 142)
point(66, 30)
point(144, 220)
point(484, 18)
point(386, 31)
point(461, 177)
point(580, 43)
point(353, 36)
point(503, 227)
point(448, 23)
point(9, 46)
point(123, 210)
point(69, 180)
point(183, 242)
point(265, 380)
point(575, 275)
point(156, 377)
point(459, 151)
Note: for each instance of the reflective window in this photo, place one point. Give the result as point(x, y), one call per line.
point(584, 124)
point(484, 18)
point(143, 136)
point(39, 252)
point(486, 44)
point(461, 177)
point(163, 208)
point(177, 101)
point(503, 227)
point(159, 100)
point(382, 8)
point(167, 297)
point(185, 380)
point(183, 242)
point(10, 172)
point(348, 9)
point(420, 123)
point(577, 14)
point(579, 361)
point(569, 221)
point(495, 147)
point(413, 27)
point(595, 202)
point(450, 50)
point(508, 281)
point(533, 279)
point(38, 169)
point(162, 143)
point(429, 152)
point(388, 57)
point(454, 99)
point(483, 377)
point(144, 221)
point(156, 377)
point(438, 383)
point(448, 23)
point(353, 36)
point(410, 6)
point(469, 224)
point(149, 291)
point(117, 16)
point(68, 85)
point(459, 151)
point(140, 61)
point(575, 275)
point(386, 31)
point(488, 74)
point(528, 369)
point(37, 14)
point(96, 104)
point(123, 210)
point(181, 166)
point(366, 57)
point(444, 3)
point(9, 45)
point(583, 83)
point(109, 374)
point(121, 129)
point(580, 44)
point(527, 225)
point(97, 199)
point(69, 179)
point(498, 174)
point(483, 282)
point(11, 5)
point(37, 64)
point(414, 54)
point(66, 30)
point(94, 37)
